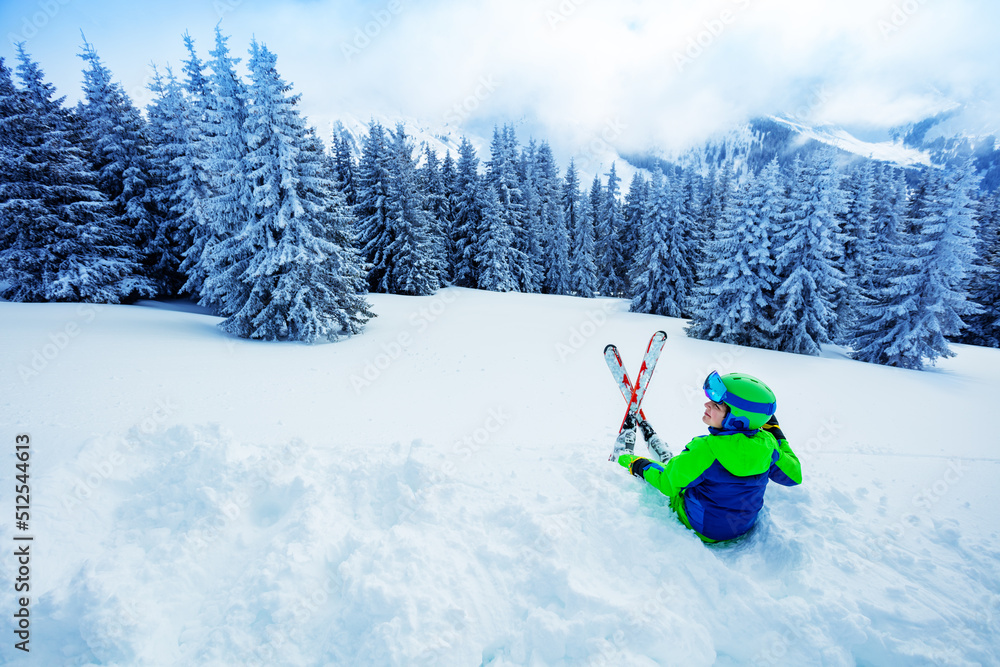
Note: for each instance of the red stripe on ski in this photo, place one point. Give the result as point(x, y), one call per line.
point(653, 350)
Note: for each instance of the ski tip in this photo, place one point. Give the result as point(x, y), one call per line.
point(609, 346)
point(661, 334)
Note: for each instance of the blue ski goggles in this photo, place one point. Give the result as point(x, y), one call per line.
point(716, 391)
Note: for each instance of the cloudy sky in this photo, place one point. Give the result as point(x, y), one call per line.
point(632, 73)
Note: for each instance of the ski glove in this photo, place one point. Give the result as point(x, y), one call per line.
point(647, 430)
point(772, 427)
point(638, 467)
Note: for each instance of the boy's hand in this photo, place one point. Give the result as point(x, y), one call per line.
point(772, 427)
point(638, 467)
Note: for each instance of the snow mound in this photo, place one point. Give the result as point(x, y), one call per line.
point(407, 522)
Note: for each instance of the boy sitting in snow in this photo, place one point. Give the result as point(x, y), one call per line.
point(716, 485)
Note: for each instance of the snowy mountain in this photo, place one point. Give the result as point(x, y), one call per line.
point(437, 491)
point(934, 141)
point(947, 141)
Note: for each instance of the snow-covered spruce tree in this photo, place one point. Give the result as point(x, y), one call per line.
point(631, 238)
point(610, 229)
point(302, 278)
point(736, 300)
point(594, 202)
point(611, 260)
point(534, 234)
point(227, 211)
point(501, 176)
point(583, 271)
point(691, 204)
point(908, 318)
point(167, 134)
point(468, 226)
point(449, 179)
point(552, 222)
point(984, 288)
point(193, 179)
point(805, 254)
point(371, 213)
point(343, 163)
point(856, 232)
point(413, 259)
point(431, 185)
point(664, 275)
point(114, 135)
point(58, 238)
point(495, 258)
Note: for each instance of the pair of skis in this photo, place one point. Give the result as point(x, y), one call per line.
point(634, 393)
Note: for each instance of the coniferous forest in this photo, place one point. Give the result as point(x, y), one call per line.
point(220, 192)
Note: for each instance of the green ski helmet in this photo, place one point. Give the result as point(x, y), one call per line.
point(751, 402)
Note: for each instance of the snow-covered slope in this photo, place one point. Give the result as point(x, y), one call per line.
point(436, 491)
point(893, 152)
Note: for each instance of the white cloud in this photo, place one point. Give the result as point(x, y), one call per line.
point(659, 73)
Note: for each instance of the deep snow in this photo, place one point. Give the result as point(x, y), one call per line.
point(436, 491)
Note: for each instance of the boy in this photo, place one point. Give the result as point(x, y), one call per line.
point(716, 485)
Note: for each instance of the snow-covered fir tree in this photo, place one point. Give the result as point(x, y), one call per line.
point(372, 210)
point(984, 287)
point(114, 135)
point(343, 163)
point(534, 235)
point(612, 266)
point(167, 134)
point(302, 277)
point(414, 256)
point(908, 318)
point(431, 185)
point(495, 259)
point(805, 254)
point(663, 273)
point(227, 210)
point(502, 177)
point(58, 238)
point(735, 303)
point(467, 229)
point(583, 271)
point(449, 179)
point(856, 231)
point(193, 179)
point(395, 232)
point(633, 224)
point(552, 222)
